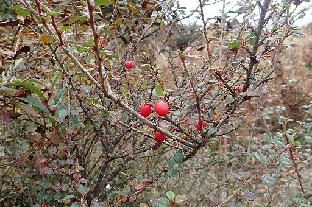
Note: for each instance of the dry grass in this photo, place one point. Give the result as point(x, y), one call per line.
point(290, 87)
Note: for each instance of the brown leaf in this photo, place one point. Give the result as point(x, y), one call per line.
point(54, 137)
point(36, 138)
point(40, 163)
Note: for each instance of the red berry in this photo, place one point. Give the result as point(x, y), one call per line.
point(53, 110)
point(45, 101)
point(145, 110)
point(160, 137)
point(161, 108)
point(197, 125)
point(129, 64)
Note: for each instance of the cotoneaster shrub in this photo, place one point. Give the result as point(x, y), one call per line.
point(73, 82)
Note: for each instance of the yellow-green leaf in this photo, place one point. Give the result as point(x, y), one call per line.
point(45, 39)
point(102, 2)
point(22, 11)
point(28, 85)
point(158, 89)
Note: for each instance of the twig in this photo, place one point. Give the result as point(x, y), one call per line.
point(253, 60)
point(96, 47)
point(292, 157)
point(222, 32)
point(202, 15)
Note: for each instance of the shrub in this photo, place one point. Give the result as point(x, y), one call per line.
point(71, 132)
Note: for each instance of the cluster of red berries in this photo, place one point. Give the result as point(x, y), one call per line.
point(199, 126)
point(161, 108)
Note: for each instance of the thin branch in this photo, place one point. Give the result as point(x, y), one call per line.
point(293, 159)
point(202, 15)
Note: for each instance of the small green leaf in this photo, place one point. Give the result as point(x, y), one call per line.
point(30, 86)
point(58, 96)
point(178, 156)
point(124, 91)
point(268, 179)
point(158, 89)
point(261, 157)
point(251, 39)
point(234, 44)
point(170, 195)
point(146, 66)
point(50, 12)
point(144, 84)
point(286, 6)
point(23, 146)
point(83, 189)
point(2, 149)
point(74, 121)
point(212, 131)
point(35, 103)
point(62, 113)
point(285, 160)
point(65, 28)
point(79, 18)
point(68, 197)
point(267, 138)
point(22, 11)
point(75, 205)
point(163, 202)
point(110, 55)
point(88, 43)
point(102, 2)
